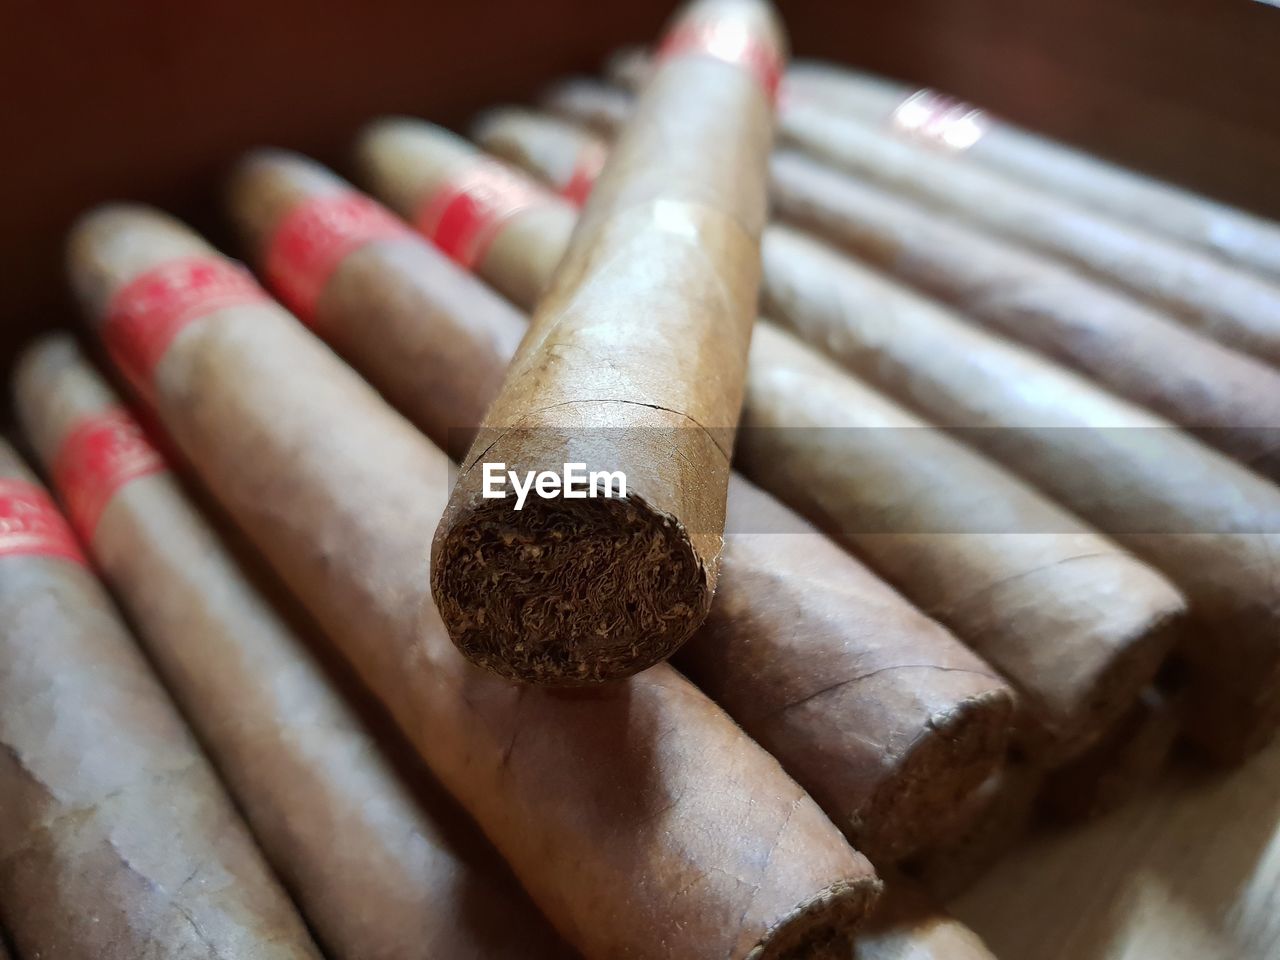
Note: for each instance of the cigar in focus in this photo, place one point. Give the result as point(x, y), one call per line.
point(1225, 302)
point(394, 881)
point(878, 712)
point(994, 818)
point(942, 121)
point(116, 839)
point(982, 552)
point(641, 819)
point(1206, 522)
point(633, 367)
point(1122, 763)
point(908, 925)
point(1228, 398)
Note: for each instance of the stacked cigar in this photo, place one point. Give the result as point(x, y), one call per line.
point(356, 704)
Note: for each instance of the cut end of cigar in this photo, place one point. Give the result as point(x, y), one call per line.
point(965, 747)
point(823, 927)
point(568, 592)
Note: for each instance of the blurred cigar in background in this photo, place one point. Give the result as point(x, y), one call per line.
point(116, 839)
point(1206, 522)
point(1229, 399)
point(820, 446)
point(934, 118)
point(633, 364)
point(991, 821)
point(382, 863)
point(908, 925)
point(1225, 302)
point(604, 801)
point(876, 710)
point(1125, 761)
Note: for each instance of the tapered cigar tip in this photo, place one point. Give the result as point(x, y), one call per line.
point(823, 927)
point(495, 118)
point(265, 184)
point(568, 592)
point(39, 361)
point(112, 241)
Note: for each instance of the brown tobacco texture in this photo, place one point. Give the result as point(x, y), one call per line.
point(1079, 642)
point(875, 709)
point(907, 925)
point(1004, 148)
point(991, 822)
point(1228, 398)
point(116, 839)
point(1208, 523)
point(1124, 762)
point(633, 362)
point(1225, 302)
point(381, 862)
point(642, 820)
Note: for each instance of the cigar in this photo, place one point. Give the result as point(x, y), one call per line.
point(559, 152)
point(908, 925)
point(116, 839)
point(640, 818)
point(587, 102)
point(998, 815)
point(296, 752)
point(632, 368)
point(1206, 522)
point(1230, 399)
point(1077, 625)
point(1227, 398)
point(877, 711)
point(1077, 665)
point(1225, 302)
point(1118, 466)
point(938, 120)
point(1119, 766)
point(377, 294)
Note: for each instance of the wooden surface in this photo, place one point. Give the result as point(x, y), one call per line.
point(1190, 870)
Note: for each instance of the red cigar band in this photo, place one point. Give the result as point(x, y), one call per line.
point(314, 238)
point(731, 41)
point(30, 523)
point(585, 173)
point(939, 120)
point(148, 312)
point(464, 216)
point(100, 455)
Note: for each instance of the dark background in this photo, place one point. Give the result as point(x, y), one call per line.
point(152, 101)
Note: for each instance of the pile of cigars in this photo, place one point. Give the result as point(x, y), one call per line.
point(351, 707)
